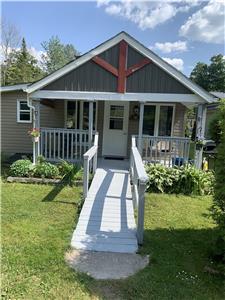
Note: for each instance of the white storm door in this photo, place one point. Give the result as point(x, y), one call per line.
point(115, 129)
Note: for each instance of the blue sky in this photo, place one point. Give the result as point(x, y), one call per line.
point(182, 32)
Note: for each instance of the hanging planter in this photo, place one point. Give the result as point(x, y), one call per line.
point(35, 134)
point(199, 144)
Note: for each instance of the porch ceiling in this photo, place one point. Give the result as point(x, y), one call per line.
point(100, 96)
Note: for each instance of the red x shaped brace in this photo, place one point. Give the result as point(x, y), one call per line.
point(122, 72)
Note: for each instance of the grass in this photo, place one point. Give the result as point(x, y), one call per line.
point(36, 234)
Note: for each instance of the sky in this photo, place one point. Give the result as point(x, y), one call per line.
point(181, 32)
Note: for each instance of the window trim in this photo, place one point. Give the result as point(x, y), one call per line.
point(18, 111)
point(157, 116)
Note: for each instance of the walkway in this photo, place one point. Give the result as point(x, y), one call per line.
point(106, 221)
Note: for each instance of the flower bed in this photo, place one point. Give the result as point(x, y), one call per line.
point(44, 172)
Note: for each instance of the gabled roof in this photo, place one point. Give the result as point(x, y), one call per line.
point(138, 47)
point(16, 87)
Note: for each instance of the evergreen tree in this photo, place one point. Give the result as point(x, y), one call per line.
point(57, 55)
point(23, 67)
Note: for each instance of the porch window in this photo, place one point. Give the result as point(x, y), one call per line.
point(23, 112)
point(77, 114)
point(158, 119)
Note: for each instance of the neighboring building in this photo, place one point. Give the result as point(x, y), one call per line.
point(120, 89)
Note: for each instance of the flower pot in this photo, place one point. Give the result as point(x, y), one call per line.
point(36, 139)
point(199, 146)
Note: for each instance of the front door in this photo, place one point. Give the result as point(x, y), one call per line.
point(115, 129)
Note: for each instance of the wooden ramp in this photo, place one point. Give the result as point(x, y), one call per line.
point(106, 221)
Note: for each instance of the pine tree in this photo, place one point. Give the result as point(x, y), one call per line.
point(57, 54)
point(23, 67)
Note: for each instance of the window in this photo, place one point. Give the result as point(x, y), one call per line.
point(116, 117)
point(77, 115)
point(23, 112)
point(158, 120)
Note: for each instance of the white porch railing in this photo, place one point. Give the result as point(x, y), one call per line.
point(139, 179)
point(60, 143)
point(168, 151)
point(90, 165)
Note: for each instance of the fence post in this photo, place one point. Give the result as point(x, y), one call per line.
point(141, 210)
point(86, 176)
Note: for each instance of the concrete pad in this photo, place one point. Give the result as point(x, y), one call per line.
point(106, 265)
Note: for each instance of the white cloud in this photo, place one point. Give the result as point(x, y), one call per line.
point(178, 63)
point(36, 53)
point(147, 14)
point(168, 47)
point(207, 24)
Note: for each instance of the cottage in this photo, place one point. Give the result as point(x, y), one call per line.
point(118, 89)
point(119, 100)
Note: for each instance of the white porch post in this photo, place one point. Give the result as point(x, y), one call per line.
point(90, 123)
point(36, 124)
point(200, 133)
point(140, 129)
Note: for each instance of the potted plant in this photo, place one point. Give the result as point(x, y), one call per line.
point(35, 134)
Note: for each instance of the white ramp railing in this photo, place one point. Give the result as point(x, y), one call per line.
point(90, 166)
point(62, 143)
point(139, 179)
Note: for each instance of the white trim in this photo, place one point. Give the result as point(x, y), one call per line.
point(157, 116)
point(138, 47)
point(18, 111)
point(99, 96)
point(15, 87)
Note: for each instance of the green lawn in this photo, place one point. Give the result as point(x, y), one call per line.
point(36, 234)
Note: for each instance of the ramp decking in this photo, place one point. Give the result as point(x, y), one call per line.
point(106, 221)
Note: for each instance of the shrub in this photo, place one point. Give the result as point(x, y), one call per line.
point(65, 168)
point(21, 168)
point(186, 180)
point(46, 170)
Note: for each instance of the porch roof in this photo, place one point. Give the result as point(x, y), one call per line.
point(107, 96)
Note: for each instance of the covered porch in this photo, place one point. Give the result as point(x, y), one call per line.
point(158, 126)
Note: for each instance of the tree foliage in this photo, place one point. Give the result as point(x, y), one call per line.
point(211, 77)
point(23, 67)
point(218, 208)
point(57, 54)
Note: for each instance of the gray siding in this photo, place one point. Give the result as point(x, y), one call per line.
point(14, 135)
point(111, 56)
point(89, 77)
point(152, 79)
point(133, 57)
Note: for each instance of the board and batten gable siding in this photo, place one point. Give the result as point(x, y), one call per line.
point(15, 138)
point(91, 77)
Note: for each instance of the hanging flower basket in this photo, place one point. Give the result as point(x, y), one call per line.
point(199, 143)
point(35, 134)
